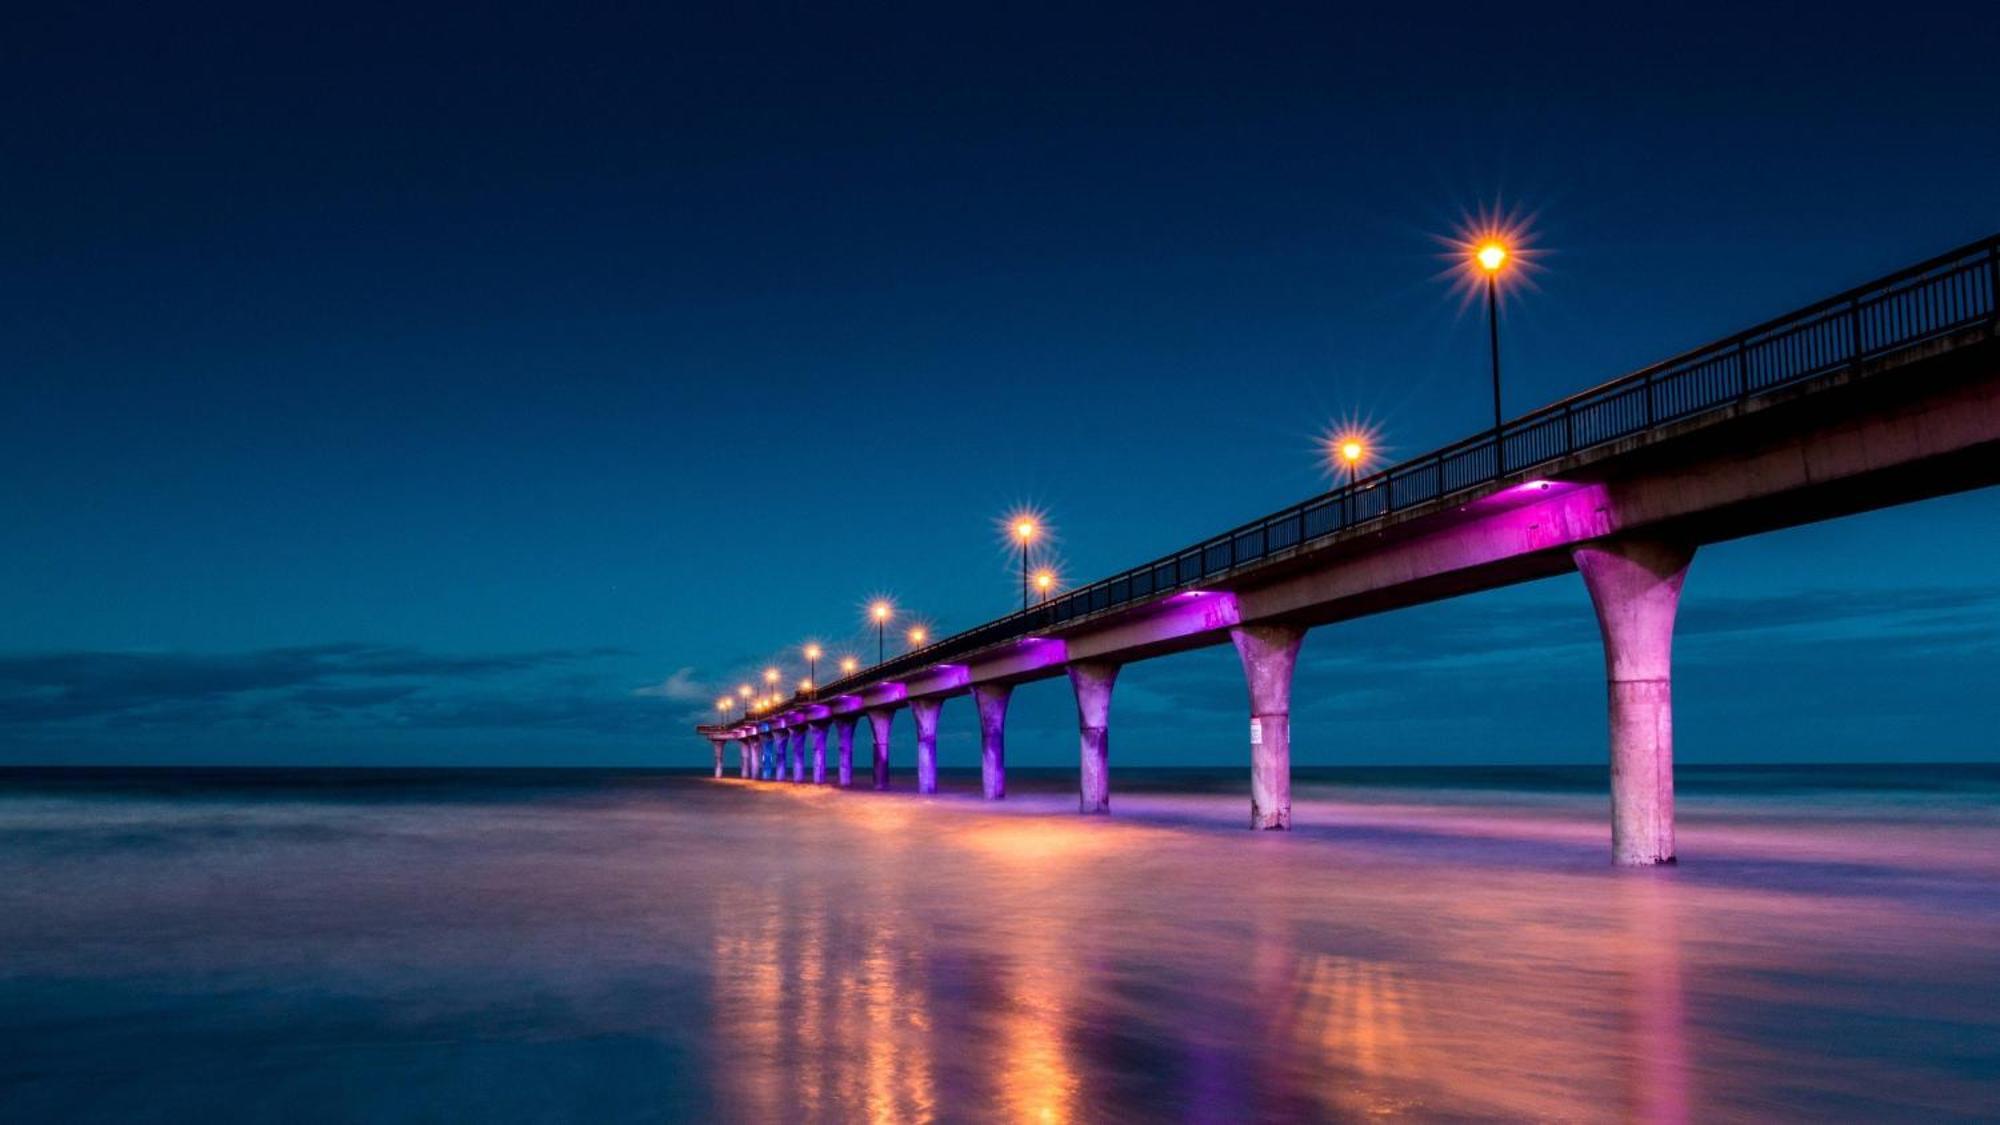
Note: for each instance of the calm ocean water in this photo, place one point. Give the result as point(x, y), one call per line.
point(642, 946)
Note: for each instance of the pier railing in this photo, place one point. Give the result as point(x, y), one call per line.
point(1944, 295)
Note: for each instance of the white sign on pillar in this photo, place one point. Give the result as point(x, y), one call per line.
point(1256, 732)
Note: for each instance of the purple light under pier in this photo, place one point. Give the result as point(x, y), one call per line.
point(1635, 585)
point(1269, 653)
point(1092, 681)
point(991, 701)
point(798, 753)
point(925, 712)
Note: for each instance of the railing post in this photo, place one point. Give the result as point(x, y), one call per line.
point(1569, 429)
point(1993, 283)
point(1650, 410)
point(1742, 370)
point(1854, 329)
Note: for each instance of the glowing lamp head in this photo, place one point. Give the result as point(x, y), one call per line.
point(919, 635)
point(1351, 451)
point(1024, 530)
point(724, 704)
point(812, 652)
point(1490, 256)
point(848, 664)
point(770, 675)
point(879, 611)
point(805, 683)
point(1045, 580)
point(744, 691)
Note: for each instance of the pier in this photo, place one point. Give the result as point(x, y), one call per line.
point(1885, 394)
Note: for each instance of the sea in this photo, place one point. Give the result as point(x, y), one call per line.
point(636, 945)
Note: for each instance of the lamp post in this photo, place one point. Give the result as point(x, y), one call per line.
point(812, 664)
point(1025, 530)
point(1490, 258)
point(848, 664)
point(918, 635)
point(1045, 582)
point(880, 612)
point(771, 681)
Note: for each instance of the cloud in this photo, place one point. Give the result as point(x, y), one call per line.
point(681, 687)
point(262, 685)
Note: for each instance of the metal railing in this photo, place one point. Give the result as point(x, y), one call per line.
point(1938, 297)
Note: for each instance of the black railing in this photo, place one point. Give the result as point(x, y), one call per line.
point(1947, 294)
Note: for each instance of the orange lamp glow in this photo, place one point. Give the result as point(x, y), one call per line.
point(879, 611)
point(848, 664)
point(919, 635)
point(1045, 580)
point(770, 675)
point(812, 652)
point(1491, 256)
point(1025, 530)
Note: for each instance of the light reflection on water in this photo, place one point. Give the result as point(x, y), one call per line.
point(612, 948)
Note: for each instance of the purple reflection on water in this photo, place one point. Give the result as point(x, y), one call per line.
point(602, 946)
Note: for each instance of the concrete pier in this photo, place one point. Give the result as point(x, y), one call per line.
point(798, 753)
point(925, 712)
point(878, 725)
point(991, 700)
point(768, 755)
point(817, 729)
point(1269, 653)
point(1092, 682)
point(1635, 585)
point(718, 743)
point(743, 756)
point(843, 730)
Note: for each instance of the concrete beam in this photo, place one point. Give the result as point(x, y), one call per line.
point(843, 729)
point(925, 711)
point(1635, 586)
point(1269, 653)
point(991, 700)
point(1092, 683)
point(879, 720)
point(818, 729)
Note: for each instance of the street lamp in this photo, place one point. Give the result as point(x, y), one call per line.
point(806, 685)
point(1025, 531)
point(723, 705)
point(771, 681)
point(1351, 451)
point(848, 664)
point(918, 635)
point(812, 662)
point(1491, 257)
point(880, 612)
point(1045, 582)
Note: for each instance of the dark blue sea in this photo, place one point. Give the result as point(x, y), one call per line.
point(611, 946)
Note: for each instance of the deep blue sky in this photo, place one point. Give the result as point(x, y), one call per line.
point(381, 385)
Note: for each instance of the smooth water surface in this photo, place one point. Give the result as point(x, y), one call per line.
point(1435, 945)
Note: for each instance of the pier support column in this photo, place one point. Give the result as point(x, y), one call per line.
point(991, 700)
point(718, 744)
point(798, 754)
point(843, 730)
point(878, 724)
point(925, 712)
point(1092, 682)
point(743, 757)
point(818, 729)
point(767, 756)
point(1269, 652)
point(1635, 585)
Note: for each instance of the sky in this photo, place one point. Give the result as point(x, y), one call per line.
point(404, 385)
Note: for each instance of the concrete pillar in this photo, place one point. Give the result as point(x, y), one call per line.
point(743, 756)
point(1269, 653)
point(843, 731)
point(991, 700)
point(718, 744)
point(878, 723)
point(1635, 585)
point(925, 712)
point(818, 728)
point(1092, 683)
point(798, 754)
point(767, 756)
